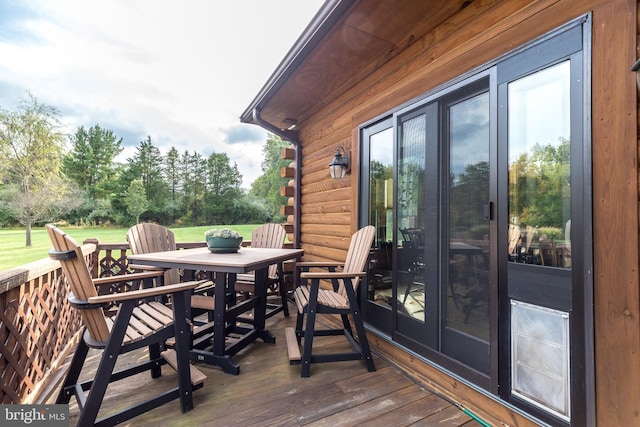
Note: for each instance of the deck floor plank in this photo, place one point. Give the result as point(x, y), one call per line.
point(414, 412)
point(355, 395)
point(270, 392)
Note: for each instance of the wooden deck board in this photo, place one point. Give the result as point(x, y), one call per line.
point(414, 411)
point(270, 392)
point(362, 392)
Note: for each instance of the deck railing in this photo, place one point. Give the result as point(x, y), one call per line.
point(38, 328)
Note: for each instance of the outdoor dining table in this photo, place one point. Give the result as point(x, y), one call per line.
point(224, 267)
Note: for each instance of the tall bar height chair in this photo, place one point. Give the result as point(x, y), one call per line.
point(267, 236)
point(139, 321)
point(311, 300)
point(146, 238)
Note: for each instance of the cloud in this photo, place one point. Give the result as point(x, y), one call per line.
point(244, 133)
point(12, 17)
point(11, 91)
point(179, 72)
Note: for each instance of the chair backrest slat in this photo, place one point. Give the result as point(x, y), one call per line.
point(77, 274)
point(269, 236)
point(358, 253)
point(148, 237)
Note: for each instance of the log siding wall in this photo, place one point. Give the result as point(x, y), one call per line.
point(479, 33)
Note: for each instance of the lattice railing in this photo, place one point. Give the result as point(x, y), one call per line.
point(38, 328)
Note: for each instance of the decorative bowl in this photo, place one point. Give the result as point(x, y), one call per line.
point(222, 245)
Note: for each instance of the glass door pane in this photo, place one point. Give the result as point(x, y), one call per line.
point(468, 227)
point(410, 245)
point(381, 216)
point(377, 198)
point(465, 269)
point(539, 168)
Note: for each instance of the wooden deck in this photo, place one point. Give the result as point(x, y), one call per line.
point(270, 392)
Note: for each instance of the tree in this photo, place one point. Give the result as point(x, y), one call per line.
point(193, 179)
point(91, 160)
point(172, 173)
point(49, 201)
point(136, 199)
point(31, 146)
point(221, 176)
point(222, 189)
point(172, 179)
point(147, 165)
point(267, 186)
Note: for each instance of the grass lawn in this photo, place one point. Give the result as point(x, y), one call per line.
point(13, 251)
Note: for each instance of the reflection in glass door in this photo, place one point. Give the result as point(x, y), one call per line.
point(539, 215)
point(443, 227)
point(378, 177)
point(465, 267)
point(410, 244)
point(539, 168)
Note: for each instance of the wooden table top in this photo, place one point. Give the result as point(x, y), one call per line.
point(243, 261)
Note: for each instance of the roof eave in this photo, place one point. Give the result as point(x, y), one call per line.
point(324, 20)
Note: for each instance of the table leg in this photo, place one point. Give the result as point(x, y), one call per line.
point(219, 311)
point(218, 356)
point(260, 310)
point(224, 320)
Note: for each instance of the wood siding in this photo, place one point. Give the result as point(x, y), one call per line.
point(476, 34)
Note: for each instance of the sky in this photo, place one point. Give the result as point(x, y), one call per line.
point(179, 71)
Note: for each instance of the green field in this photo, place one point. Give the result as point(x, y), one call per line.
point(13, 251)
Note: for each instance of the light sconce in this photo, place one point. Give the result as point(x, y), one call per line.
point(339, 166)
point(636, 68)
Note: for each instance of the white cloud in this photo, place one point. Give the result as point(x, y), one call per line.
point(179, 71)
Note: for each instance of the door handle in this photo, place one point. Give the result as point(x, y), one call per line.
point(487, 210)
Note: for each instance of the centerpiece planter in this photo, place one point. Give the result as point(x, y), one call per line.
point(223, 240)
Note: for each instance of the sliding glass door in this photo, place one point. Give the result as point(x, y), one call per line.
point(442, 220)
point(466, 240)
point(480, 193)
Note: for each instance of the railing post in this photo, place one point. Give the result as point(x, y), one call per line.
point(95, 256)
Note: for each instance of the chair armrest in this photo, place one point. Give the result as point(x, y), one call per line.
point(147, 292)
point(330, 275)
point(127, 277)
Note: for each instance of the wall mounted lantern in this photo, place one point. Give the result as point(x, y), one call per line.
point(339, 166)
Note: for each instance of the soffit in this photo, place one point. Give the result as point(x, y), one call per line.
point(369, 34)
